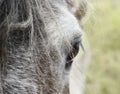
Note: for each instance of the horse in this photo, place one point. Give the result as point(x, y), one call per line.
point(39, 40)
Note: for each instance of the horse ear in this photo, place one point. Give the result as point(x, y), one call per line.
point(77, 7)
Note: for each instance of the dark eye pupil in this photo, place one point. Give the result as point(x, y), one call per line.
point(71, 55)
point(75, 48)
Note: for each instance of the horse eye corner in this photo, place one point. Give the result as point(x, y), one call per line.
point(68, 65)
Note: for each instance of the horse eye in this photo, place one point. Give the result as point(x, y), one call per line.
point(71, 55)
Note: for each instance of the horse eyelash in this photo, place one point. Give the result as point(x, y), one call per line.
point(81, 46)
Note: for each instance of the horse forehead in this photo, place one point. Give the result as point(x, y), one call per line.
point(64, 25)
point(68, 22)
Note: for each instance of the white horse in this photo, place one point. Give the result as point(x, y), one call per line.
point(39, 40)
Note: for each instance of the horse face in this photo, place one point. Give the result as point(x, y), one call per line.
point(64, 39)
point(39, 47)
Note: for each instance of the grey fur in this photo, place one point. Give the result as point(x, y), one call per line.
point(34, 35)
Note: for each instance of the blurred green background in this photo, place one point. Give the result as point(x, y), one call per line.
point(103, 32)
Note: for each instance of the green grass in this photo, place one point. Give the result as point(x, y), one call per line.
point(103, 30)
